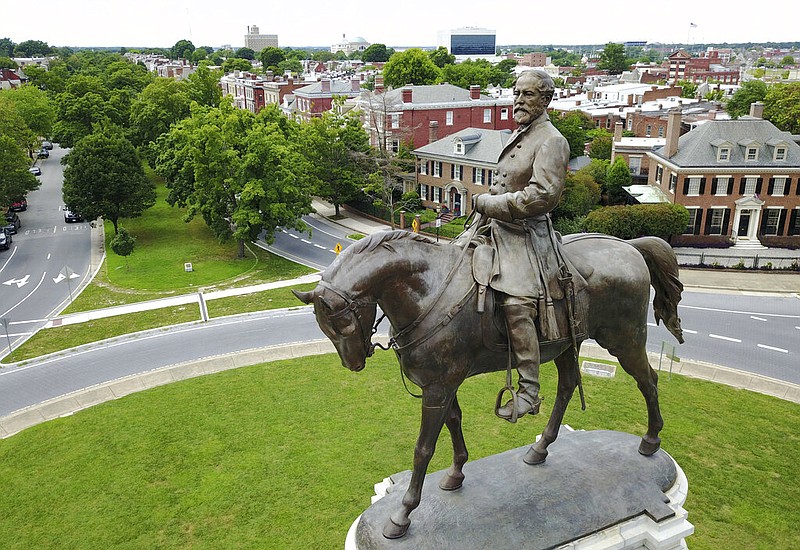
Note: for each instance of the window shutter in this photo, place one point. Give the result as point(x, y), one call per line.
point(763, 228)
point(698, 221)
point(702, 186)
point(685, 186)
point(781, 222)
point(759, 181)
point(730, 186)
point(452, 171)
point(741, 186)
point(708, 222)
point(771, 186)
point(474, 180)
point(792, 222)
point(725, 221)
point(797, 192)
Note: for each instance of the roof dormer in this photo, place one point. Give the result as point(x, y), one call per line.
point(723, 148)
point(751, 148)
point(780, 149)
point(462, 143)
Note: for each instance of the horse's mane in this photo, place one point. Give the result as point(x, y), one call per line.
point(375, 240)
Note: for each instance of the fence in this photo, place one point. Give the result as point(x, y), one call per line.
point(736, 261)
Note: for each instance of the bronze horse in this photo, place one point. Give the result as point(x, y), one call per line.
point(438, 334)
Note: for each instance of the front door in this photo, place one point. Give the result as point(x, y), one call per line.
point(744, 223)
point(455, 202)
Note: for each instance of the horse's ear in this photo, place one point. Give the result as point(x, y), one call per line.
point(305, 297)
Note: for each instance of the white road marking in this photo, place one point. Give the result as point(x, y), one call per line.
point(12, 308)
point(726, 338)
point(690, 331)
point(773, 349)
point(742, 312)
point(48, 255)
point(757, 318)
point(306, 241)
point(292, 235)
point(320, 246)
point(9, 259)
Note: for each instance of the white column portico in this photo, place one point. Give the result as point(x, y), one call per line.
point(746, 221)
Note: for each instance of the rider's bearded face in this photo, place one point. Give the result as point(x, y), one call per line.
point(529, 103)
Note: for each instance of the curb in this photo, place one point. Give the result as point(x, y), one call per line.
point(68, 404)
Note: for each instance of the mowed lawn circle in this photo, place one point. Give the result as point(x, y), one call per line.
point(284, 455)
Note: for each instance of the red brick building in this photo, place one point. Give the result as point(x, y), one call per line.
point(252, 92)
point(314, 99)
point(682, 66)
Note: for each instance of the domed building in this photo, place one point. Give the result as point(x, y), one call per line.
point(357, 44)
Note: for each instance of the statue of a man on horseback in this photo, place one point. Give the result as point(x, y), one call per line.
point(527, 185)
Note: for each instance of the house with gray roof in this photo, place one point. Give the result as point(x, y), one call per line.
point(449, 171)
point(739, 179)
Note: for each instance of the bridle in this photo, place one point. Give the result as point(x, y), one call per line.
point(354, 307)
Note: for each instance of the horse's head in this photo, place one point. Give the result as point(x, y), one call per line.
point(346, 321)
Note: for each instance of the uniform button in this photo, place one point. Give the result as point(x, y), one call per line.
point(505, 174)
point(502, 185)
point(513, 155)
point(519, 146)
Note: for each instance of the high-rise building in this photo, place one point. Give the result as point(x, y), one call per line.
point(258, 42)
point(468, 41)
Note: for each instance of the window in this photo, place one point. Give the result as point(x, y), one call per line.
point(717, 217)
point(752, 153)
point(423, 168)
point(723, 154)
point(504, 113)
point(457, 170)
point(648, 130)
point(771, 221)
point(436, 194)
point(394, 145)
point(690, 227)
point(721, 186)
point(487, 115)
point(437, 169)
point(489, 177)
point(635, 165)
point(459, 149)
point(423, 191)
point(395, 120)
point(448, 118)
point(780, 153)
point(630, 123)
point(673, 182)
point(750, 184)
point(478, 176)
point(779, 187)
point(660, 131)
point(694, 186)
point(659, 174)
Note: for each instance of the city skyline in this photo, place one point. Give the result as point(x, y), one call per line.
point(151, 23)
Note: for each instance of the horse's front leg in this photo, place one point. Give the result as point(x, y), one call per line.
point(455, 475)
point(436, 402)
point(567, 364)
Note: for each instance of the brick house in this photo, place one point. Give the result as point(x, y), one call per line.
point(9, 79)
point(252, 92)
point(740, 180)
point(409, 114)
point(314, 99)
point(682, 66)
point(449, 171)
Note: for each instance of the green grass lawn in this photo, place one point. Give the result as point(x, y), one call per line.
point(285, 454)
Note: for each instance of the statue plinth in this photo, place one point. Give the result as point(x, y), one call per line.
point(594, 491)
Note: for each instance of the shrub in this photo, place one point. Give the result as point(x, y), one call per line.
point(628, 222)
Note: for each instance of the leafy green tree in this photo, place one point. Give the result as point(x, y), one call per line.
point(441, 57)
point(32, 48)
point(271, 57)
point(290, 65)
point(104, 177)
point(159, 106)
point(782, 106)
point(322, 55)
point(243, 173)
point(787, 61)
point(602, 141)
point(573, 126)
point(8, 63)
point(375, 53)
point(480, 72)
point(201, 54)
point(749, 92)
point(629, 222)
point(183, 49)
point(619, 176)
point(236, 64)
point(412, 66)
point(34, 106)
point(246, 53)
point(6, 47)
point(613, 59)
point(123, 243)
point(298, 55)
point(15, 179)
point(688, 88)
point(13, 125)
point(336, 146)
point(83, 104)
point(507, 65)
point(581, 195)
point(598, 170)
point(761, 61)
point(204, 86)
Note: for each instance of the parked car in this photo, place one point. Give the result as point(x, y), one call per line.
point(35, 170)
point(43, 154)
point(47, 145)
point(13, 222)
point(70, 216)
point(5, 239)
point(18, 205)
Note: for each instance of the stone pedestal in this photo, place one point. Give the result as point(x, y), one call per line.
point(594, 491)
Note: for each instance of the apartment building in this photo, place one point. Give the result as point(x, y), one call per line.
point(314, 99)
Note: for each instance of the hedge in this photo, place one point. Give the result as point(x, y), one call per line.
point(628, 222)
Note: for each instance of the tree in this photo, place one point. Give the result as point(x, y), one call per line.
point(441, 57)
point(6, 47)
point(688, 88)
point(412, 66)
point(601, 145)
point(750, 92)
point(290, 66)
point(34, 106)
point(104, 177)
point(782, 106)
point(243, 173)
point(375, 53)
point(619, 176)
point(15, 179)
point(271, 57)
point(573, 127)
point(581, 195)
point(32, 48)
point(13, 126)
point(182, 49)
point(122, 243)
point(322, 55)
point(246, 53)
point(201, 54)
point(336, 146)
point(480, 72)
point(613, 59)
point(8, 63)
point(236, 64)
point(628, 222)
point(159, 106)
point(204, 86)
point(787, 61)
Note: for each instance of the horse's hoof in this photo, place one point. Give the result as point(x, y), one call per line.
point(534, 457)
point(648, 448)
point(451, 482)
point(392, 530)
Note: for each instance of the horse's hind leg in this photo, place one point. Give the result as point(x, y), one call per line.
point(634, 361)
point(567, 364)
point(455, 475)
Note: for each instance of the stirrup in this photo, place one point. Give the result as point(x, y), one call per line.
point(514, 407)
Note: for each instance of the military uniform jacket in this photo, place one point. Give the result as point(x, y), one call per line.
point(527, 184)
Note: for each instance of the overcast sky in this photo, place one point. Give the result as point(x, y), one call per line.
point(161, 23)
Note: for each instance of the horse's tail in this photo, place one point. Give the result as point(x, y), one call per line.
point(663, 267)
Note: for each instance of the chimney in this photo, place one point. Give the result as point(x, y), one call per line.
point(757, 110)
point(474, 92)
point(407, 93)
point(673, 132)
point(378, 84)
point(325, 85)
point(577, 102)
point(433, 131)
point(618, 131)
point(355, 84)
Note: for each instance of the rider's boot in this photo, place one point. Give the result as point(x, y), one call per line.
point(520, 320)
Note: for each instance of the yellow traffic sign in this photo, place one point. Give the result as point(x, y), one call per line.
point(415, 225)
point(337, 248)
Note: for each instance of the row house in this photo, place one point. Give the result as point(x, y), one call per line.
point(739, 179)
point(416, 115)
point(451, 170)
point(646, 122)
point(314, 99)
point(252, 92)
point(9, 79)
